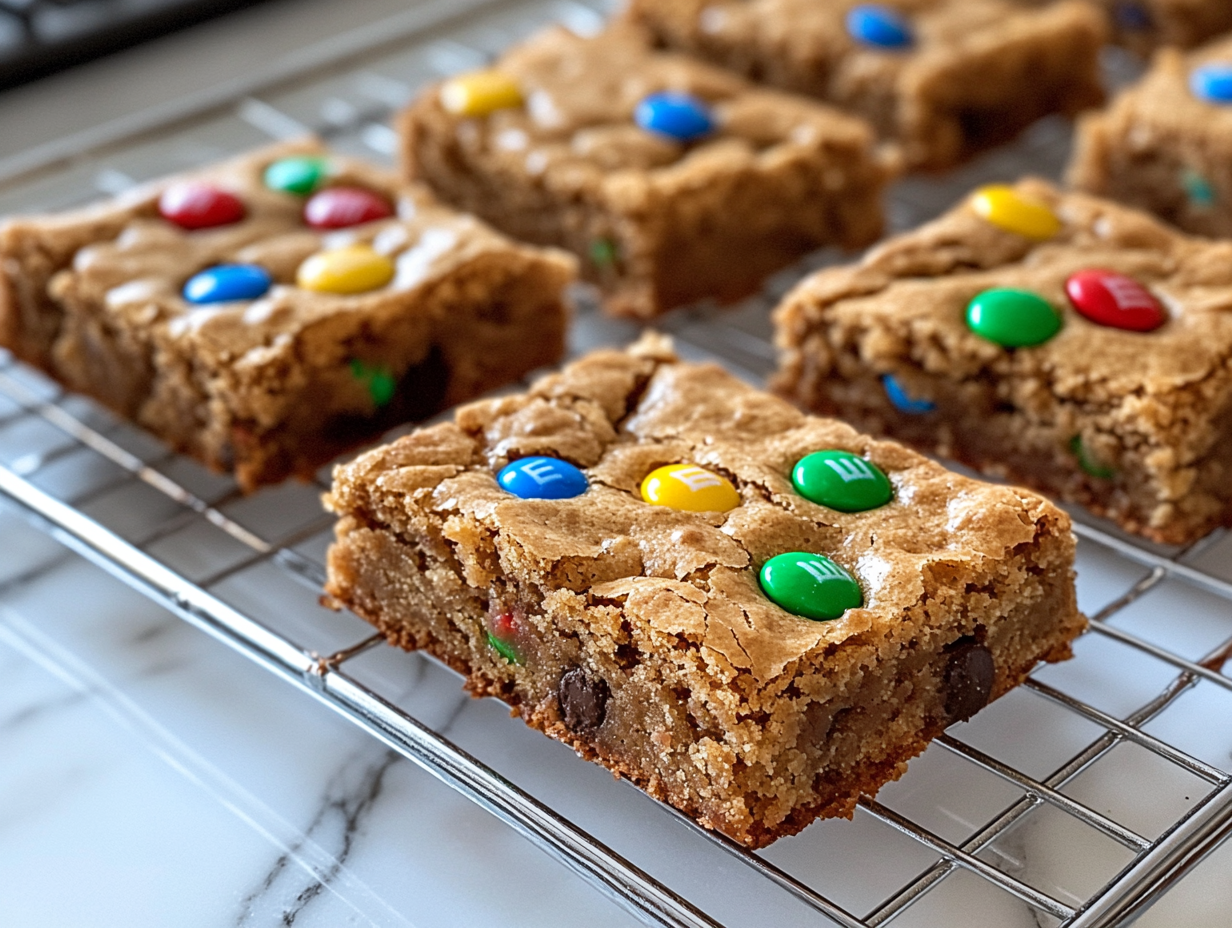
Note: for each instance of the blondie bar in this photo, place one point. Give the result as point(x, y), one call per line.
point(942, 78)
point(1163, 144)
point(1145, 25)
point(672, 180)
point(268, 313)
point(753, 614)
point(1053, 338)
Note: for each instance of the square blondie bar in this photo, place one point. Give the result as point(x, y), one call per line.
point(941, 78)
point(1162, 145)
point(670, 179)
point(1053, 338)
point(753, 614)
point(267, 313)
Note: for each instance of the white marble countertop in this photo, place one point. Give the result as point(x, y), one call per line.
point(149, 776)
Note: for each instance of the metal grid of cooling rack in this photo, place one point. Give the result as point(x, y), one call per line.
point(81, 474)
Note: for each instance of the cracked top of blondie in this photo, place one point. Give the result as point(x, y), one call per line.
point(128, 259)
point(571, 119)
point(908, 298)
point(689, 580)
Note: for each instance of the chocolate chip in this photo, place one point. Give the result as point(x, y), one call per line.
point(583, 700)
point(968, 681)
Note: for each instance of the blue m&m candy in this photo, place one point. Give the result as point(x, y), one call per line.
point(542, 478)
point(1131, 15)
point(679, 116)
point(225, 283)
point(878, 25)
point(904, 401)
point(1212, 82)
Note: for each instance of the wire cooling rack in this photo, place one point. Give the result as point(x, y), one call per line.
point(1113, 769)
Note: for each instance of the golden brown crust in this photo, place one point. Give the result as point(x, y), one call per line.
point(268, 387)
point(750, 718)
point(1160, 148)
point(1155, 407)
point(656, 223)
point(977, 72)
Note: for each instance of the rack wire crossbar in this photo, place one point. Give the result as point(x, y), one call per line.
point(739, 339)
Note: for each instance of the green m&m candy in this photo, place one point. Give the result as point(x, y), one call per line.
point(1013, 318)
point(810, 585)
point(300, 175)
point(1088, 462)
point(842, 481)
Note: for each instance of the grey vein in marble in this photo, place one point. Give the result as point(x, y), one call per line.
point(350, 796)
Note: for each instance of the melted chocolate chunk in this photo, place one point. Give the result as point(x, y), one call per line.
point(968, 681)
point(583, 700)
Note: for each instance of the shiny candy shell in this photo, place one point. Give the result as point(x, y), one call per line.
point(1013, 318)
point(542, 478)
point(502, 637)
point(199, 206)
point(1131, 15)
point(1212, 82)
point(1115, 300)
point(842, 481)
point(1006, 209)
point(341, 207)
point(227, 282)
point(878, 25)
point(299, 175)
point(679, 116)
point(480, 93)
point(690, 488)
point(904, 401)
point(351, 269)
point(810, 585)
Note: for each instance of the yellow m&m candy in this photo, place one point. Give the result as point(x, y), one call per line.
point(689, 487)
point(1007, 209)
point(480, 93)
point(351, 269)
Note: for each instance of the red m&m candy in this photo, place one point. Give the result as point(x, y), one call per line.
point(199, 206)
point(1115, 300)
point(340, 207)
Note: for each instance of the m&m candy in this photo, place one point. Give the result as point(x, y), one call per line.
point(480, 93)
point(1088, 463)
point(1199, 191)
point(1013, 318)
point(379, 380)
point(603, 252)
point(1007, 209)
point(193, 206)
point(1131, 15)
point(679, 116)
point(904, 401)
point(842, 481)
point(690, 488)
point(880, 26)
point(228, 282)
point(542, 478)
point(341, 207)
point(1212, 82)
point(502, 636)
point(351, 269)
point(810, 585)
point(299, 175)
point(1115, 300)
